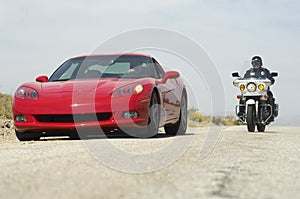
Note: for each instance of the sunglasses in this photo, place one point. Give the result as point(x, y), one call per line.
point(256, 62)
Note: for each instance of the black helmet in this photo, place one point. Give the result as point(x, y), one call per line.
point(257, 59)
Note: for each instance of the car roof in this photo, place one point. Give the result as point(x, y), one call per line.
point(116, 54)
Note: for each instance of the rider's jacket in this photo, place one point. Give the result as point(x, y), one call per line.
point(259, 73)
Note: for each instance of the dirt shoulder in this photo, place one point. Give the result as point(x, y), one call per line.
point(7, 131)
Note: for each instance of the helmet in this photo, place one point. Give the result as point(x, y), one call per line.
point(256, 59)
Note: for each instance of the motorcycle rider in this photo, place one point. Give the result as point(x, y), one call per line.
point(257, 71)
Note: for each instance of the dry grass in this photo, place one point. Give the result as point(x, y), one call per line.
point(196, 119)
point(6, 106)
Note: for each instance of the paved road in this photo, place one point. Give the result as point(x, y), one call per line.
point(241, 165)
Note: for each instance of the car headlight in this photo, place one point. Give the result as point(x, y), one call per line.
point(128, 90)
point(27, 93)
point(251, 87)
point(261, 87)
point(242, 87)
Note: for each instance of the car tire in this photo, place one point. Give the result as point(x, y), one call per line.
point(151, 130)
point(28, 135)
point(74, 135)
point(180, 127)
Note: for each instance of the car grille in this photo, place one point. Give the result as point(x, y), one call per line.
point(74, 118)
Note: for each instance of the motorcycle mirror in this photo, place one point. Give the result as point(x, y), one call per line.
point(274, 74)
point(235, 74)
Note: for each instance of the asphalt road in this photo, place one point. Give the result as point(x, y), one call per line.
point(240, 165)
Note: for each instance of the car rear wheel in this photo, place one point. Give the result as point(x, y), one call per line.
point(28, 136)
point(180, 127)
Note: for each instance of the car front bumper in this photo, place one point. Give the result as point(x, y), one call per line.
point(33, 111)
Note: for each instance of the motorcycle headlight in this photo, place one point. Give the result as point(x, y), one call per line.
point(242, 87)
point(26, 93)
point(261, 87)
point(128, 90)
point(251, 87)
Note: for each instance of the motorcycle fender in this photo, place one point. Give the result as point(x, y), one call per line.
point(250, 101)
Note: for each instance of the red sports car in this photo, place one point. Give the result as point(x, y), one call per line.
point(128, 92)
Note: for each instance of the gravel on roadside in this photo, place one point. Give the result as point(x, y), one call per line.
point(7, 130)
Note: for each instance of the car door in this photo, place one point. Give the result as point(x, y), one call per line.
point(169, 94)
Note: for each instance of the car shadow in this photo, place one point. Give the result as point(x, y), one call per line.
point(118, 135)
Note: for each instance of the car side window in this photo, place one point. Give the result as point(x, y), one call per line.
point(69, 72)
point(158, 70)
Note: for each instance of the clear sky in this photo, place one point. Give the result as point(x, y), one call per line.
point(36, 36)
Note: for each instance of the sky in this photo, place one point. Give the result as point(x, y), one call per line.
point(36, 36)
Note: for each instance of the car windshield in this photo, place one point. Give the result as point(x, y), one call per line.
point(104, 67)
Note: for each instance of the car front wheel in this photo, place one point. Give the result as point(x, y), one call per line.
point(151, 130)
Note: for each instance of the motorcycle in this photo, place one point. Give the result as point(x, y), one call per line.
point(254, 95)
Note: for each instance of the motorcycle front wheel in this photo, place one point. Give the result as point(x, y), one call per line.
point(261, 127)
point(251, 118)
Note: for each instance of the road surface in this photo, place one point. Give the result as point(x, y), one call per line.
point(240, 165)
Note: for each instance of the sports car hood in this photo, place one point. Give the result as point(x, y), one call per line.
point(87, 85)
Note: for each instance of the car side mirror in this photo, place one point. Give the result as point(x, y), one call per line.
point(235, 74)
point(42, 79)
point(170, 75)
point(274, 74)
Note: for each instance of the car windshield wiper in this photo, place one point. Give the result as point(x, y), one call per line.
point(134, 75)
